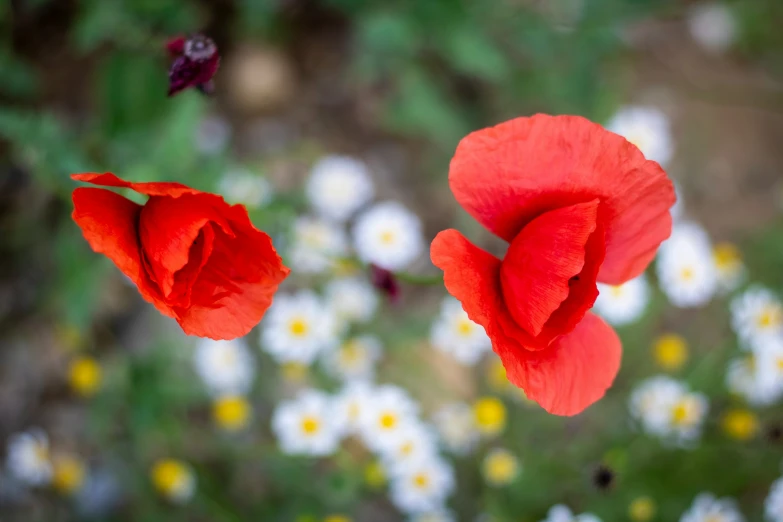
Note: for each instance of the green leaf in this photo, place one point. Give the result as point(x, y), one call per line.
point(471, 52)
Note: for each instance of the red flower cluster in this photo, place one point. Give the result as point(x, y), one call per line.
point(577, 204)
point(192, 255)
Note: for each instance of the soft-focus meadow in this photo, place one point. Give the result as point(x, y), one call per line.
point(334, 121)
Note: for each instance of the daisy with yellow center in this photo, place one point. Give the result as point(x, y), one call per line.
point(623, 304)
point(231, 413)
point(388, 235)
point(306, 425)
point(757, 317)
point(173, 479)
point(670, 351)
point(740, 424)
point(729, 266)
point(500, 467)
point(388, 412)
point(69, 474)
point(355, 359)
point(490, 415)
point(421, 484)
point(84, 376)
point(686, 271)
point(454, 333)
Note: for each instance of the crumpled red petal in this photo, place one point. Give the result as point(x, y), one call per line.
point(507, 175)
point(109, 224)
point(573, 373)
point(108, 179)
point(536, 272)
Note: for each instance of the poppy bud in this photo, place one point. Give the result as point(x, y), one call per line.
point(196, 60)
point(385, 281)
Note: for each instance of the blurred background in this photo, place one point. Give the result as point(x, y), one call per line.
point(333, 121)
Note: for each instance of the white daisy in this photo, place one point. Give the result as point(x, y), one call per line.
point(352, 298)
point(728, 266)
point(212, 135)
point(174, 480)
point(456, 425)
point(756, 316)
point(298, 327)
point(625, 303)
point(421, 485)
point(414, 441)
point(355, 359)
point(758, 382)
point(678, 209)
point(339, 186)
point(713, 26)
point(350, 405)
point(455, 334)
point(389, 409)
point(306, 425)
point(245, 187)
point(438, 515)
point(646, 127)
point(707, 508)
point(388, 235)
point(666, 408)
point(686, 271)
point(773, 505)
point(317, 244)
point(561, 513)
point(225, 367)
point(28, 458)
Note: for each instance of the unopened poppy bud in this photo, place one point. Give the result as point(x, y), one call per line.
point(196, 60)
point(385, 281)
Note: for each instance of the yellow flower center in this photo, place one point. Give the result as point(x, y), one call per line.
point(465, 327)
point(231, 413)
point(779, 363)
point(421, 480)
point(500, 467)
point(616, 291)
point(351, 353)
point(374, 475)
point(169, 475)
point(84, 376)
point(387, 237)
point(687, 273)
point(388, 421)
point(670, 351)
point(407, 448)
point(641, 509)
point(298, 327)
point(294, 371)
point(726, 256)
point(682, 414)
point(310, 425)
point(770, 317)
point(496, 376)
point(740, 424)
point(353, 411)
point(490, 415)
point(68, 474)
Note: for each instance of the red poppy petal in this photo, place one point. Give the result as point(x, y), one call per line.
point(108, 179)
point(472, 275)
point(108, 222)
point(236, 285)
point(573, 373)
point(168, 227)
point(506, 175)
point(185, 278)
point(541, 260)
point(176, 46)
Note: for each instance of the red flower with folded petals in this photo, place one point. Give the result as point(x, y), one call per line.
point(578, 204)
point(192, 255)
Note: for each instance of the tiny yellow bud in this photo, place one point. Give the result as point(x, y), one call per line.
point(670, 351)
point(740, 424)
point(84, 376)
point(490, 414)
point(68, 475)
point(231, 413)
point(641, 509)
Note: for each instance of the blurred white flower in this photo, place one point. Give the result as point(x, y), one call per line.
point(756, 316)
point(225, 367)
point(174, 480)
point(421, 485)
point(388, 410)
point(212, 135)
point(686, 271)
point(437, 515)
point(625, 303)
point(666, 408)
point(339, 186)
point(306, 425)
point(350, 405)
point(760, 384)
point(561, 513)
point(646, 127)
point(316, 245)
point(707, 508)
point(355, 359)
point(245, 187)
point(298, 327)
point(713, 26)
point(728, 266)
point(456, 425)
point(388, 235)
point(455, 334)
point(28, 458)
point(352, 298)
point(414, 441)
point(500, 467)
point(773, 505)
point(678, 209)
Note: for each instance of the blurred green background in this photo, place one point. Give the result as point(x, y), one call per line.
point(397, 83)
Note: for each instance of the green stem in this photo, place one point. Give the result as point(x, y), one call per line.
point(421, 280)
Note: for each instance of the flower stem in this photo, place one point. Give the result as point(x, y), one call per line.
point(420, 280)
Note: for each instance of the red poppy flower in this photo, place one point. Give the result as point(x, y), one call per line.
point(191, 254)
point(577, 204)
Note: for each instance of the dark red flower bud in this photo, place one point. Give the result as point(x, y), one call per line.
point(196, 60)
point(385, 281)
